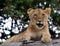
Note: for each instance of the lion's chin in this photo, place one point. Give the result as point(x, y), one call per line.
point(39, 27)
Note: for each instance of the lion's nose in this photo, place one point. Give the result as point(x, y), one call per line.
point(39, 22)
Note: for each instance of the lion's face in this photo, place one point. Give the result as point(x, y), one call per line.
point(39, 17)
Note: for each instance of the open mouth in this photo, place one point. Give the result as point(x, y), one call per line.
point(39, 25)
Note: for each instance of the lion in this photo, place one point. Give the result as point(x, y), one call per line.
point(37, 29)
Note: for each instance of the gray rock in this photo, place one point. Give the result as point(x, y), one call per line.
point(55, 42)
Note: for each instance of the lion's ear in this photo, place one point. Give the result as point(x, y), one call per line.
point(30, 11)
point(48, 11)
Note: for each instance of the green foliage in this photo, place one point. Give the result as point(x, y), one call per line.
point(16, 8)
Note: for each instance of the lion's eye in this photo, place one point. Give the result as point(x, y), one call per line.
point(43, 14)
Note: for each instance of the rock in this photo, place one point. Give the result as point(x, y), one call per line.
point(55, 42)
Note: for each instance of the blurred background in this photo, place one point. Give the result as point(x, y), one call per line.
point(14, 18)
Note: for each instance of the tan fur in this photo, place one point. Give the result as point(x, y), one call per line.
point(33, 31)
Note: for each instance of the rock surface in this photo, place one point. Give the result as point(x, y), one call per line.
point(55, 42)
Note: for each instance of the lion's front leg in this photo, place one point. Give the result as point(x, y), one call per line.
point(46, 37)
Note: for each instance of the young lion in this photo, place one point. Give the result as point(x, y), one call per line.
point(38, 27)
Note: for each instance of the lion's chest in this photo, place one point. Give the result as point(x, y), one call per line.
point(36, 36)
